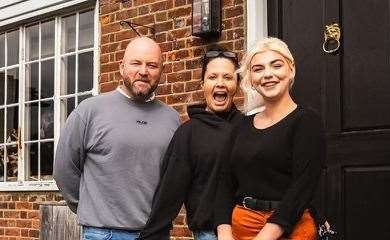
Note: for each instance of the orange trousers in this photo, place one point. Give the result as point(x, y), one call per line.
point(247, 223)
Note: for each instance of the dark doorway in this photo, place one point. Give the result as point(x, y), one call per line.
point(351, 90)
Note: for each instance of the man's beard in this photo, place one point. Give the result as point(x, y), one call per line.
point(139, 95)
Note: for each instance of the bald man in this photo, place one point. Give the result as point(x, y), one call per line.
point(108, 157)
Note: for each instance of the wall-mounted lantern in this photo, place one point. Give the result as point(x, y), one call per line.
point(206, 18)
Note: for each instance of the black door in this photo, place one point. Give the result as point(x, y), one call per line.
point(351, 89)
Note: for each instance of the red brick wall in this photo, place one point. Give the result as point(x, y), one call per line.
point(19, 214)
point(172, 20)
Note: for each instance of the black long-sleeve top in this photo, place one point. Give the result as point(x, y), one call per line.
point(191, 169)
point(279, 163)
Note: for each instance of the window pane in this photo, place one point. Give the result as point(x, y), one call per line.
point(68, 42)
point(13, 48)
point(68, 75)
point(31, 88)
point(12, 124)
point(47, 119)
point(2, 86)
point(2, 50)
point(2, 120)
point(47, 79)
point(67, 106)
point(2, 163)
point(47, 35)
point(31, 122)
point(32, 42)
point(83, 97)
point(13, 86)
point(47, 153)
point(31, 160)
point(85, 72)
point(12, 163)
point(86, 30)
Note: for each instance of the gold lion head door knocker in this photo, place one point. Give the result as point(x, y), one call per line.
point(332, 34)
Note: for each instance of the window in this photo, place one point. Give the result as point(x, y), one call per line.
point(9, 101)
point(46, 69)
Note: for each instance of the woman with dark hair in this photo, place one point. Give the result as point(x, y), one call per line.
point(270, 179)
point(194, 157)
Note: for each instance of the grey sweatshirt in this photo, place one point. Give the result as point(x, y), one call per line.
point(108, 159)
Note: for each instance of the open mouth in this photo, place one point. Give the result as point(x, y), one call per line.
point(220, 96)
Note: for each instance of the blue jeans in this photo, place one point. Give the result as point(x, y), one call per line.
point(205, 235)
point(92, 233)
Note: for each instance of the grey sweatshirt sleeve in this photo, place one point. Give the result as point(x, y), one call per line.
point(69, 159)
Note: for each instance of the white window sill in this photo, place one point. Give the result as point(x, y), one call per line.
point(28, 186)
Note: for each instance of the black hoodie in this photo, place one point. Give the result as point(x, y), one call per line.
point(190, 172)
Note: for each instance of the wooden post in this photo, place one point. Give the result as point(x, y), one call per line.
point(58, 222)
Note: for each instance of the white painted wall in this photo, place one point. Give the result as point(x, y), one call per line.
point(12, 11)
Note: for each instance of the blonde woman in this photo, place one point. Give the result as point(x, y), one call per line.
point(274, 167)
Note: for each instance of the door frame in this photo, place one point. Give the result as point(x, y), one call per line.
point(256, 21)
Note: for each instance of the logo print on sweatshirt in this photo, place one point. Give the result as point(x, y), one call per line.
point(142, 122)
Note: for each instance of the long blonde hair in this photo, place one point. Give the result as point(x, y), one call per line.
point(253, 101)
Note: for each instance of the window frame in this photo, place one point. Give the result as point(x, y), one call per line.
point(23, 184)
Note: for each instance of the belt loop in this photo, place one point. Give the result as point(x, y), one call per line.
point(268, 205)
